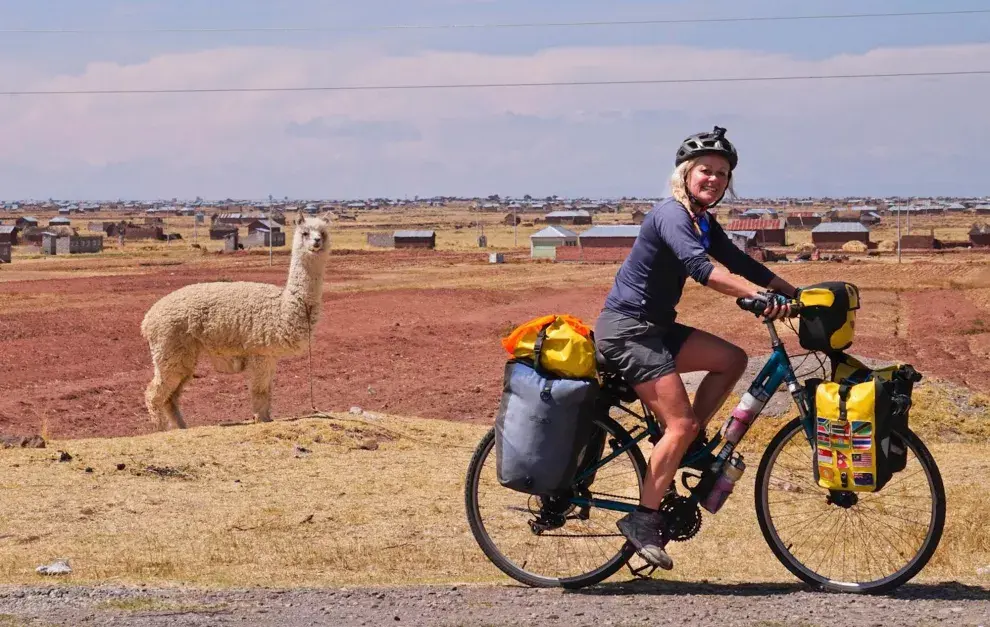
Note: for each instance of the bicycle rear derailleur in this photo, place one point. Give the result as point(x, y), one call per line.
point(552, 514)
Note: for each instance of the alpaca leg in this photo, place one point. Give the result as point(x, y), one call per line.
point(160, 401)
point(262, 371)
point(172, 406)
point(155, 396)
point(175, 363)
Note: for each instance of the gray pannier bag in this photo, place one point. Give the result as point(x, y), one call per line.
point(544, 423)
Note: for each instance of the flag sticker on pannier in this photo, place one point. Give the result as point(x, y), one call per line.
point(840, 460)
point(863, 459)
point(862, 443)
point(863, 478)
point(823, 437)
point(825, 456)
point(862, 428)
point(840, 434)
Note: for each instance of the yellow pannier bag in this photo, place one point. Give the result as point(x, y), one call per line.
point(899, 380)
point(566, 345)
point(852, 439)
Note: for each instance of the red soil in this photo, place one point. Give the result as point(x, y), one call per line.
point(77, 360)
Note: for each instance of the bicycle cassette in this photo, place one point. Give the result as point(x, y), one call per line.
point(682, 517)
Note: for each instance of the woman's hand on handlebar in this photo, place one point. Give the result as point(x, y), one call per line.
point(769, 305)
point(778, 307)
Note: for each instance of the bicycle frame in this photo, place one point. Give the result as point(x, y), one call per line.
point(776, 371)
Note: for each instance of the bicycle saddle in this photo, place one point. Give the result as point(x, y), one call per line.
point(612, 381)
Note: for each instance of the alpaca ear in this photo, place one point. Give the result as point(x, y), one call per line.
point(300, 217)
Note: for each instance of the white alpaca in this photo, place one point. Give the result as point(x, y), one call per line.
point(238, 325)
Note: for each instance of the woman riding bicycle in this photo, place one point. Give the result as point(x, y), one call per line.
point(637, 334)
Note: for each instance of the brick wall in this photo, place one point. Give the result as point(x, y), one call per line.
point(592, 255)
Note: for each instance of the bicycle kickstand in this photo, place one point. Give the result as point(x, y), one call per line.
point(641, 572)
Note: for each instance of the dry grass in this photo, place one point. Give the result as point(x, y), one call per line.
point(243, 506)
point(240, 505)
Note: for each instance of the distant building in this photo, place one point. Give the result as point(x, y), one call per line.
point(415, 239)
point(758, 214)
point(221, 231)
point(568, 216)
point(832, 235)
point(924, 241)
point(803, 219)
point(609, 236)
point(8, 234)
point(769, 232)
point(744, 240)
point(57, 244)
point(263, 225)
point(543, 244)
point(980, 235)
point(264, 233)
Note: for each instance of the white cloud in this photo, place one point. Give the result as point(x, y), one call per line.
point(863, 134)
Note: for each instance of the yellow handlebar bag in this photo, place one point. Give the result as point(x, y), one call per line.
point(565, 344)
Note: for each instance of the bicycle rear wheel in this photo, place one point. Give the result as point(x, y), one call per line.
point(852, 542)
point(549, 542)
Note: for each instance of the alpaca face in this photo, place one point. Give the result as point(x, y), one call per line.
point(312, 235)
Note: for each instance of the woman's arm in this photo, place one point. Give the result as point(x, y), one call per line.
point(731, 284)
point(778, 284)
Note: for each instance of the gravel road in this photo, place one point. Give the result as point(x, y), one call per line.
point(638, 603)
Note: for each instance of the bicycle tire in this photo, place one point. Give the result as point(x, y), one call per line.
point(506, 565)
point(801, 571)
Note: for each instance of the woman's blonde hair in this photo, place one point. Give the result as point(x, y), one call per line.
point(678, 183)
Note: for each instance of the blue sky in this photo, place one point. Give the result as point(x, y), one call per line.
point(907, 136)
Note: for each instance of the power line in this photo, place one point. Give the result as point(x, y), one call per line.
point(415, 27)
point(657, 81)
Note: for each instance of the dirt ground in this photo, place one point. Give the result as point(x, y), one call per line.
point(636, 603)
point(409, 333)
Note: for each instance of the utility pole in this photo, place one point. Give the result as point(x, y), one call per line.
point(898, 233)
point(268, 219)
point(515, 227)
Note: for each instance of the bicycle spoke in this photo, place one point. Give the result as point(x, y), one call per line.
point(871, 540)
point(580, 544)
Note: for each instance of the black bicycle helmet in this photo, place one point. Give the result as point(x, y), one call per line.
point(707, 144)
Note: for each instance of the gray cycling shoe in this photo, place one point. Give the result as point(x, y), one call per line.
point(643, 530)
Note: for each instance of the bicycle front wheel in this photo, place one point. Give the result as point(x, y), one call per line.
point(866, 542)
point(547, 542)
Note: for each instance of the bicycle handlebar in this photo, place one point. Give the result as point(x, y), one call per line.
point(758, 304)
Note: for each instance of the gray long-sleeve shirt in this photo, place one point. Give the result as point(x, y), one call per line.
point(668, 249)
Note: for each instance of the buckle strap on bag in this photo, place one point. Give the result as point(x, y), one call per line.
point(545, 395)
point(843, 397)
